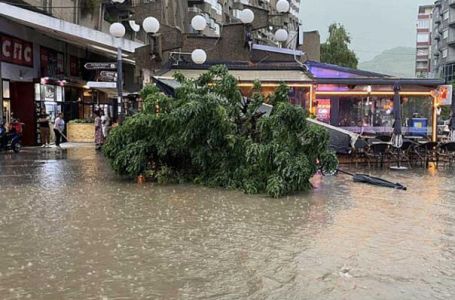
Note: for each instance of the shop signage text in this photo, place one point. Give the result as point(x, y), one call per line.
point(101, 85)
point(100, 66)
point(107, 76)
point(16, 51)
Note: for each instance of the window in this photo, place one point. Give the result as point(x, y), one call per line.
point(423, 24)
point(422, 65)
point(446, 15)
point(423, 37)
point(445, 52)
point(6, 93)
point(422, 52)
point(445, 34)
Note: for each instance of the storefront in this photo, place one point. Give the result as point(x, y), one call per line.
point(362, 101)
point(270, 76)
point(42, 68)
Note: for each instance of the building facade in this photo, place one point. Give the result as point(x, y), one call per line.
point(42, 62)
point(423, 41)
point(46, 44)
point(443, 40)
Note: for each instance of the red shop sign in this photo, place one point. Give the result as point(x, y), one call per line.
point(16, 51)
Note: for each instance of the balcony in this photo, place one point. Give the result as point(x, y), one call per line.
point(195, 2)
point(451, 38)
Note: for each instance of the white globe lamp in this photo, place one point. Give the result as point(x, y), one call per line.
point(281, 35)
point(198, 23)
point(282, 6)
point(247, 16)
point(151, 25)
point(117, 30)
point(118, 1)
point(199, 56)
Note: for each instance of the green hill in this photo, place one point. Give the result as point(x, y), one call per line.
point(398, 61)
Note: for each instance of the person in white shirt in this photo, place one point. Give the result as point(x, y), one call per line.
point(105, 124)
point(59, 126)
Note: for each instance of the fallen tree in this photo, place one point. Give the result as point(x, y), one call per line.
point(210, 134)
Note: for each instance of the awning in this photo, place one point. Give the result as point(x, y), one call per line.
point(167, 85)
point(250, 75)
point(66, 31)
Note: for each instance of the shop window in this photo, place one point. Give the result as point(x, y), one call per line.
point(6, 92)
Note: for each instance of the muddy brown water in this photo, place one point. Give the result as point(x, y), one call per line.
point(71, 229)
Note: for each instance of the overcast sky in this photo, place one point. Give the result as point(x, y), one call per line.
point(374, 25)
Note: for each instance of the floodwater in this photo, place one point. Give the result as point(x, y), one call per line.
point(71, 229)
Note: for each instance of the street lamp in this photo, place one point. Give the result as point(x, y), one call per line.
point(198, 23)
point(282, 6)
point(199, 56)
point(281, 35)
point(247, 16)
point(118, 30)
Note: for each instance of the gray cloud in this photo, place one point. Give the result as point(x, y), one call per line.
point(374, 25)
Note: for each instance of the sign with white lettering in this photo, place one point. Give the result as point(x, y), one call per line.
point(16, 51)
point(100, 66)
point(107, 76)
point(101, 85)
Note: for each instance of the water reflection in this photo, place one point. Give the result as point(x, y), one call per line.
point(70, 229)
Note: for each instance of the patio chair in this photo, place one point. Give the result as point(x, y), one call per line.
point(447, 152)
point(427, 152)
point(378, 152)
point(360, 151)
point(405, 152)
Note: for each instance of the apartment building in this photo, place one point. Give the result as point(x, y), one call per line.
point(222, 12)
point(443, 40)
point(423, 42)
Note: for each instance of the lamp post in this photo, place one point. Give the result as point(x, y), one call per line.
point(118, 30)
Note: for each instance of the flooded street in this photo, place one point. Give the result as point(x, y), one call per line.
point(71, 229)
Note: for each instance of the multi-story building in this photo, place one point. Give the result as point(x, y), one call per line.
point(423, 44)
point(46, 43)
point(443, 40)
point(222, 12)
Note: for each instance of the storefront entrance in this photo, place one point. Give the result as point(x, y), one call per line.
point(22, 103)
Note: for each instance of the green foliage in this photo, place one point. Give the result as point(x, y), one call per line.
point(209, 134)
point(336, 49)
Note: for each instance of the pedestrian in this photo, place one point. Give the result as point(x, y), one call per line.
point(16, 126)
point(106, 124)
point(59, 126)
point(44, 128)
point(98, 131)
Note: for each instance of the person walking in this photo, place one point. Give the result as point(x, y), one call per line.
point(98, 131)
point(59, 126)
point(44, 128)
point(106, 124)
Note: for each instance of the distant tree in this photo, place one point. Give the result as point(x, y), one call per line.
point(336, 49)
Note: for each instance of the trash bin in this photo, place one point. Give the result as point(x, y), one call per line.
point(418, 127)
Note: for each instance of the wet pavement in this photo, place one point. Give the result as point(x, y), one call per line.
point(71, 229)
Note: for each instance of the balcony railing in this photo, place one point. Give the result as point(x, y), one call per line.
point(451, 38)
